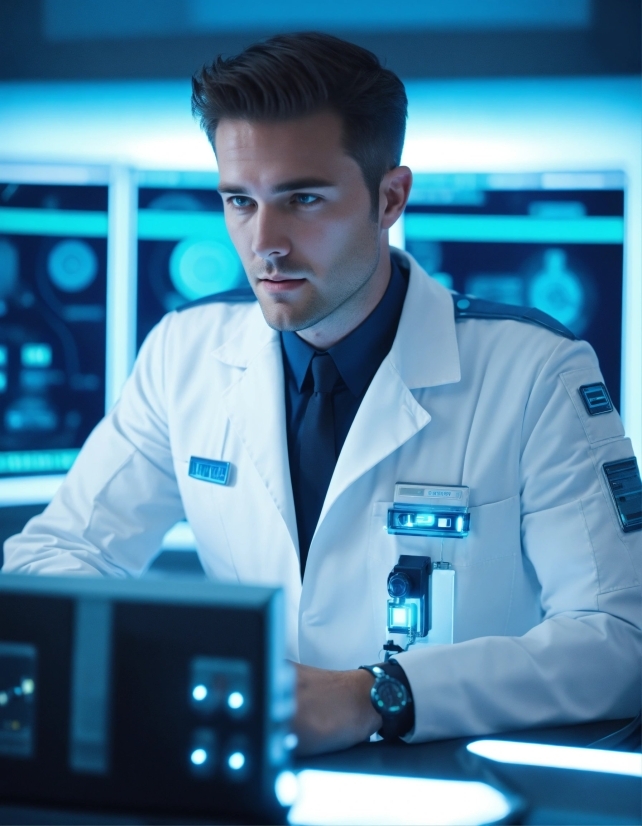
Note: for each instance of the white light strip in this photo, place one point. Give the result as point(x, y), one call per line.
point(559, 757)
point(350, 799)
point(121, 283)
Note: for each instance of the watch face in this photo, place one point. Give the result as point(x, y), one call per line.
point(389, 695)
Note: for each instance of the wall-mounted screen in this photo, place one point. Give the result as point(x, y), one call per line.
point(53, 293)
point(184, 251)
point(552, 241)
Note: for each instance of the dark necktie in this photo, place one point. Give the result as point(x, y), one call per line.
point(317, 457)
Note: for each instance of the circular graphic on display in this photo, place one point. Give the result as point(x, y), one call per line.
point(72, 266)
point(557, 290)
point(200, 268)
point(8, 268)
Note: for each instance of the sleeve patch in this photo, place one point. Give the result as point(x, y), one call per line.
point(624, 481)
point(596, 399)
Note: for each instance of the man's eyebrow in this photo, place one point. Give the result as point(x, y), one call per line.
point(286, 186)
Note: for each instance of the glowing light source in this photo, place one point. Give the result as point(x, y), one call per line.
point(236, 760)
point(346, 798)
point(199, 693)
point(235, 700)
point(559, 757)
point(198, 757)
point(290, 741)
point(286, 788)
point(28, 686)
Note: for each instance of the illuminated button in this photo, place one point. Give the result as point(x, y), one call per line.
point(27, 686)
point(236, 760)
point(199, 693)
point(235, 700)
point(443, 522)
point(198, 757)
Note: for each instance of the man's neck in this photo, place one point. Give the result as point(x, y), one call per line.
point(335, 327)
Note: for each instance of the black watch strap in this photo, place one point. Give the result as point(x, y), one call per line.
point(395, 727)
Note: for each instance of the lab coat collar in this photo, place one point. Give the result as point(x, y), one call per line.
point(425, 351)
point(252, 335)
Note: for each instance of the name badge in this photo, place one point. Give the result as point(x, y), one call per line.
point(430, 510)
point(209, 470)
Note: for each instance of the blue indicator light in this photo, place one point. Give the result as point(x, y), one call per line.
point(235, 700)
point(199, 693)
point(36, 355)
point(236, 760)
point(447, 522)
point(198, 757)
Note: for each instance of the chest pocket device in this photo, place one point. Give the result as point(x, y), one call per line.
point(430, 510)
point(422, 592)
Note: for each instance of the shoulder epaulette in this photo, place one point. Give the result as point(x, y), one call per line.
point(241, 295)
point(469, 307)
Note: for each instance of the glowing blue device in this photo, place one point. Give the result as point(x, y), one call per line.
point(430, 510)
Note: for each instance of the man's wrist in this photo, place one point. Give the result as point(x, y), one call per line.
point(370, 720)
point(400, 722)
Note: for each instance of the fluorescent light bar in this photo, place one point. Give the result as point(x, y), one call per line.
point(349, 799)
point(559, 757)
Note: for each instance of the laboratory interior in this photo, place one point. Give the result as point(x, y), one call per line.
point(154, 677)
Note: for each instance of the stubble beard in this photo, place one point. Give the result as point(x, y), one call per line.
point(281, 313)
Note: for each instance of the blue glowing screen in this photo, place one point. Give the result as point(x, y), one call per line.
point(520, 240)
point(184, 251)
point(53, 259)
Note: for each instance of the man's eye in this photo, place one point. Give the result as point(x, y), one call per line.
point(240, 201)
point(305, 199)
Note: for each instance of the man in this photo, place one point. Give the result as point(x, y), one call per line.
point(352, 373)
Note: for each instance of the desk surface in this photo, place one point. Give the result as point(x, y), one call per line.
point(553, 797)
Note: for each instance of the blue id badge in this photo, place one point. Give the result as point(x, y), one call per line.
point(209, 470)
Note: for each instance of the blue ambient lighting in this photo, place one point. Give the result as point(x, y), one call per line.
point(235, 700)
point(236, 760)
point(199, 693)
point(343, 797)
point(559, 757)
point(198, 757)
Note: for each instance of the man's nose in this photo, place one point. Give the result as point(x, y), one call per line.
point(270, 238)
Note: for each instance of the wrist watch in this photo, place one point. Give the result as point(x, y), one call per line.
point(390, 698)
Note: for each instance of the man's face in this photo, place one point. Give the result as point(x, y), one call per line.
point(299, 214)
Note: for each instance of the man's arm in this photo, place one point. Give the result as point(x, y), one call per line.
point(120, 497)
point(333, 709)
point(582, 661)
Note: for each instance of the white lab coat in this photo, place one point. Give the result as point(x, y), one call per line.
point(547, 616)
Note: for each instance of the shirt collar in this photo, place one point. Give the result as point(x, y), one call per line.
point(359, 355)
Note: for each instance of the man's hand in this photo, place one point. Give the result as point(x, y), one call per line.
point(333, 709)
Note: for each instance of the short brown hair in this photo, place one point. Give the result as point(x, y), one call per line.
point(293, 75)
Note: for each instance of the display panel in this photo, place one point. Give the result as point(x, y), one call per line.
point(552, 241)
point(53, 292)
point(184, 251)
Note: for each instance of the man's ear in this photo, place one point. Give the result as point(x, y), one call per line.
point(394, 191)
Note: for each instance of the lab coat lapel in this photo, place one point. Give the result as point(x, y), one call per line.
point(255, 405)
point(424, 354)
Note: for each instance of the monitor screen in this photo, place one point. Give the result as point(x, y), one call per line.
point(184, 251)
point(53, 292)
point(552, 241)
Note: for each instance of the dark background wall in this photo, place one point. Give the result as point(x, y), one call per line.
point(608, 43)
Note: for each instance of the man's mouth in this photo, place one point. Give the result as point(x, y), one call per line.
point(280, 283)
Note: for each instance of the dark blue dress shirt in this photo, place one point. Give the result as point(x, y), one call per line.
point(357, 358)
